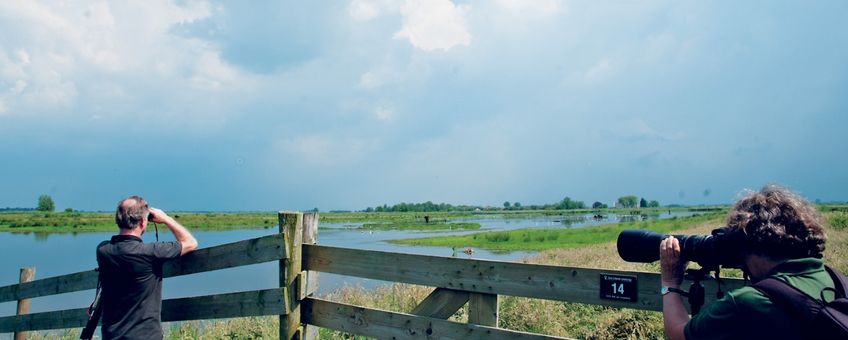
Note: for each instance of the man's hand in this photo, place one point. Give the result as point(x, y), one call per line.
point(670, 264)
point(158, 215)
point(187, 241)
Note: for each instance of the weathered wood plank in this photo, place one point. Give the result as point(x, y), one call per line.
point(241, 253)
point(291, 227)
point(310, 332)
point(310, 227)
point(69, 318)
point(491, 277)
point(483, 309)
point(390, 325)
point(310, 284)
point(27, 275)
point(50, 286)
point(442, 303)
point(310, 236)
point(229, 305)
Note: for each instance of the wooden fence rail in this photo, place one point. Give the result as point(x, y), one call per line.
point(456, 282)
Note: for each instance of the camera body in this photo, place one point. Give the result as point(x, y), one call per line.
point(722, 248)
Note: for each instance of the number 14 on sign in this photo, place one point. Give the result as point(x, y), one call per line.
point(618, 288)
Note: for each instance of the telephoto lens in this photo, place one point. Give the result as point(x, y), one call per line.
point(720, 248)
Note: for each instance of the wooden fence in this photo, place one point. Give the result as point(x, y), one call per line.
point(479, 283)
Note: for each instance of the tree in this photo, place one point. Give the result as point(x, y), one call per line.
point(45, 203)
point(517, 205)
point(628, 201)
point(653, 204)
point(598, 205)
point(506, 205)
point(643, 203)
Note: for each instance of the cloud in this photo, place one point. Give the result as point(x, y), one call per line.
point(100, 58)
point(384, 113)
point(211, 73)
point(363, 10)
point(432, 25)
point(649, 160)
point(541, 7)
point(265, 37)
point(639, 130)
point(325, 150)
point(370, 80)
point(601, 70)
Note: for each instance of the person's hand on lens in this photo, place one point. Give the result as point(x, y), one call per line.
point(671, 267)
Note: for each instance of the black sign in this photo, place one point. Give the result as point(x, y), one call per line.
point(619, 287)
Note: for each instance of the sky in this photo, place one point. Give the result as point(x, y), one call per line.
point(342, 105)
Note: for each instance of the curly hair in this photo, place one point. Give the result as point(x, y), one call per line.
point(779, 224)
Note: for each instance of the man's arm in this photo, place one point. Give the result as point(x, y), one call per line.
point(188, 242)
point(675, 316)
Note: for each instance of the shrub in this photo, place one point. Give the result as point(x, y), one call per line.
point(497, 237)
point(838, 221)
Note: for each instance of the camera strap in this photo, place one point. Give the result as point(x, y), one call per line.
point(94, 311)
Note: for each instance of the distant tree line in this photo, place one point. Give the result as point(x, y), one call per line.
point(45, 203)
point(631, 201)
point(566, 203)
point(421, 207)
point(16, 209)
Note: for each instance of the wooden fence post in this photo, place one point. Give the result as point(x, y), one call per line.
point(27, 275)
point(310, 286)
point(483, 309)
point(291, 226)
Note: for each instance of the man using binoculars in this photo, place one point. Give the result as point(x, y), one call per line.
point(779, 235)
point(131, 271)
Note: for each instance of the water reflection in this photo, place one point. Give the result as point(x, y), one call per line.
point(573, 220)
point(41, 236)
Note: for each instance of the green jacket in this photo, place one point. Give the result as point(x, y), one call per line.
point(746, 313)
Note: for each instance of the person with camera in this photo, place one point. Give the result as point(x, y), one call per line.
point(131, 271)
point(780, 235)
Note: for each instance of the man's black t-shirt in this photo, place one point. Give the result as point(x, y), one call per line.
point(131, 277)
